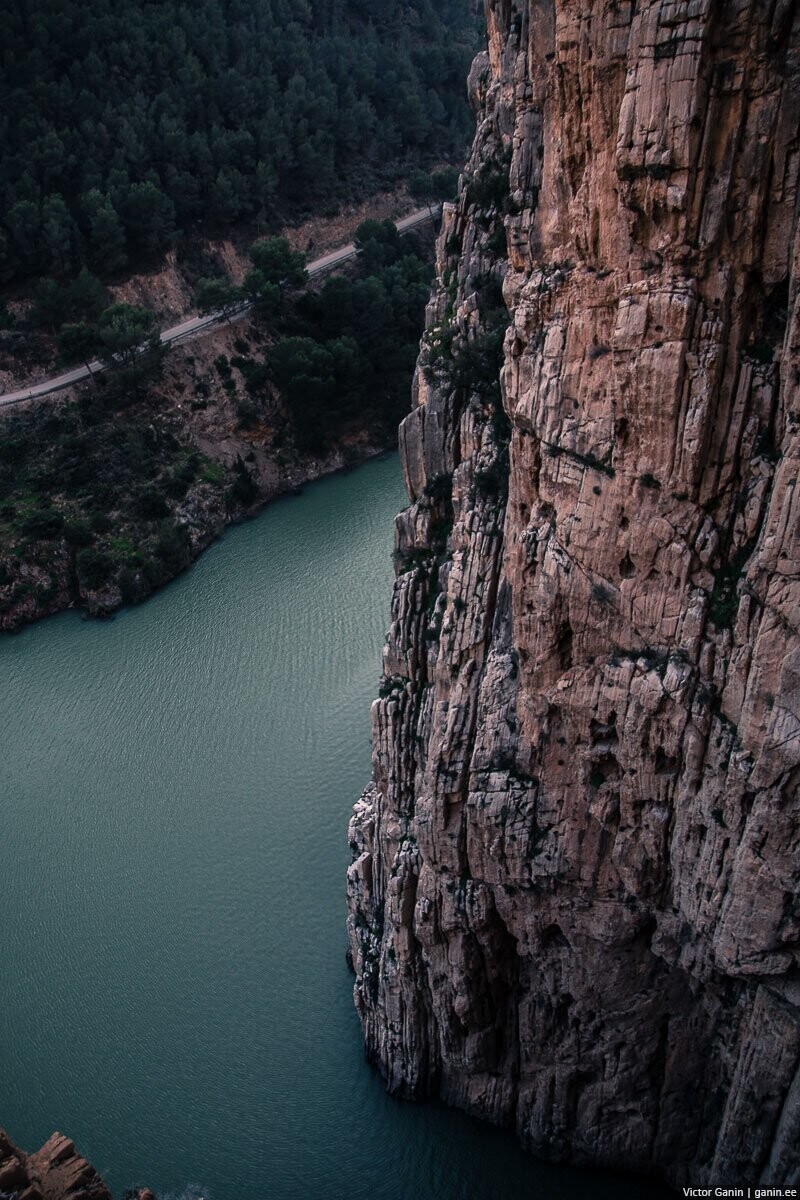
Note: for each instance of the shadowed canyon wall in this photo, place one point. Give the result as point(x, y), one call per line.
point(573, 902)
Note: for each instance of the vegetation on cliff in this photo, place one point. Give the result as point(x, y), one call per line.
point(342, 354)
point(356, 340)
point(89, 484)
point(106, 496)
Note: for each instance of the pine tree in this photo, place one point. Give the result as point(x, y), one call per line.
point(79, 342)
point(218, 295)
point(150, 217)
point(129, 343)
point(106, 237)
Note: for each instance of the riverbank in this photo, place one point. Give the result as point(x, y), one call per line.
point(201, 471)
point(110, 491)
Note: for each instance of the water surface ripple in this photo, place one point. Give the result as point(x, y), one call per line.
point(175, 790)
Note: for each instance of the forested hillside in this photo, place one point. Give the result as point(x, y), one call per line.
point(111, 491)
point(125, 122)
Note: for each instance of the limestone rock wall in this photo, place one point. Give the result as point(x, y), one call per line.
point(573, 902)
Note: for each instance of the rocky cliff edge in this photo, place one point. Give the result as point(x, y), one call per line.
point(573, 902)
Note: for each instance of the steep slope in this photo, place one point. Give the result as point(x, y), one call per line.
point(573, 897)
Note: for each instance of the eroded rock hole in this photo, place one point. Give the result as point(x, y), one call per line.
point(626, 568)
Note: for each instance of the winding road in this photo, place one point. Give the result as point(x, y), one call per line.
point(194, 325)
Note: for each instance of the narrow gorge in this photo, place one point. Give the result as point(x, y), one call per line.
point(573, 901)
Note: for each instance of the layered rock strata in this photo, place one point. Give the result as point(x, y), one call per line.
point(573, 902)
point(56, 1172)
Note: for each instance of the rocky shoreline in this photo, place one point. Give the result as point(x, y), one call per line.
point(196, 411)
point(56, 1172)
point(207, 518)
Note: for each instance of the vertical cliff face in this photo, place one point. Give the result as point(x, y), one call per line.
point(573, 900)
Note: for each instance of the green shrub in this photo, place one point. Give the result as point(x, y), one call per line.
point(243, 490)
point(213, 473)
point(488, 187)
point(45, 523)
point(247, 414)
point(94, 567)
point(444, 183)
point(151, 505)
point(100, 522)
point(78, 533)
point(172, 546)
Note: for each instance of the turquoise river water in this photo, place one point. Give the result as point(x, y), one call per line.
point(175, 788)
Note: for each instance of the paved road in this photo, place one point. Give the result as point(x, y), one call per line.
point(194, 325)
